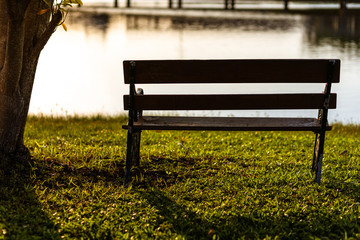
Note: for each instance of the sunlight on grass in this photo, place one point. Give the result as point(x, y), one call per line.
point(191, 185)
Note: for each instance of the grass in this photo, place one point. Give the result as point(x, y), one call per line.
point(191, 185)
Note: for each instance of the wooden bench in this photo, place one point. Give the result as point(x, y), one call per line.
point(325, 71)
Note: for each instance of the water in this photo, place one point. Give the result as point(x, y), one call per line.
point(80, 71)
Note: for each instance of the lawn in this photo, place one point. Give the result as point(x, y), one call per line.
point(191, 185)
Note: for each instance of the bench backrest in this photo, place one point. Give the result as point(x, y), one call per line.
point(231, 71)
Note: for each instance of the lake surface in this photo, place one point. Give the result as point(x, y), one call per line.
point(80, 71)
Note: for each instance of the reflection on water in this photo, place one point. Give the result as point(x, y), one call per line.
point(344, 29)
point(181, 23)
point(89, 78)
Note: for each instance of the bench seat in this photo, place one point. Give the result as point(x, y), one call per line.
point(227, 123)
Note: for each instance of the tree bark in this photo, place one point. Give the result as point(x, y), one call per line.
point(23, 34)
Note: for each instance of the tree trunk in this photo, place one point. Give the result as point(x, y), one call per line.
point(23, 34)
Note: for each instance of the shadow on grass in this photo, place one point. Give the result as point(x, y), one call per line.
point(192, 225)
point(184, 221)
point(246, 220)
point(21, 215)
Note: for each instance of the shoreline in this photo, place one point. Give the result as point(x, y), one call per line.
point(209, 12)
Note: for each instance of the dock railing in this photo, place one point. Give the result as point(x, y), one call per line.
point(231, 4)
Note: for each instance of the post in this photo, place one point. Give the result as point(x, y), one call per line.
point(232, 4)
point(342, 5)
point(226, 4)
point(116, 4)
point(128, 5)
point(286, 5)
point(179, 4)
point(170, 3)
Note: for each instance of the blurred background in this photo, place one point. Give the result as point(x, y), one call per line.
point(80, 71)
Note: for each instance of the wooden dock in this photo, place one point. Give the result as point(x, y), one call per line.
point(230, 4)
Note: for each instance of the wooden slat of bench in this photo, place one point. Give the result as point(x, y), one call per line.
point(231, 71)
point(227, 124)
point(229, 102)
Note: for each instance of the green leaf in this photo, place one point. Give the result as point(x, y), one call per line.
point(47, 2)
point(69, 2)
point(79, 2)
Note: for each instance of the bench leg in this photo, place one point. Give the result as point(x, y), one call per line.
point(128, 159)
point(318, 155)
point(136, 148)
point(132, 153)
